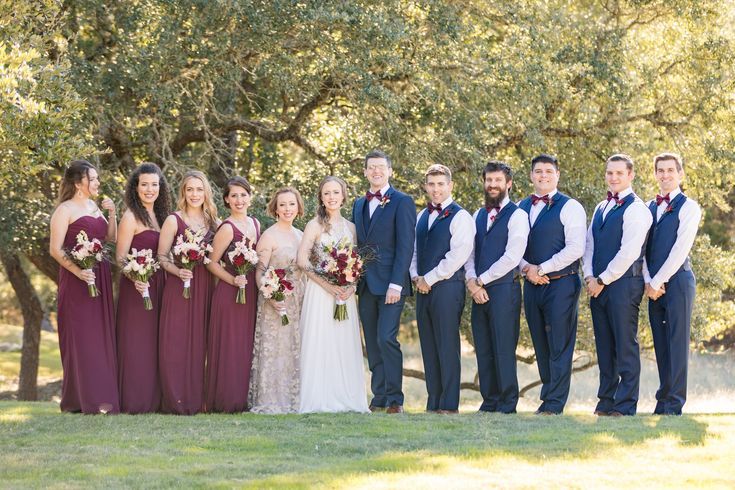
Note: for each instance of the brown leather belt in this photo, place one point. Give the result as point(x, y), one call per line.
point(559, 276)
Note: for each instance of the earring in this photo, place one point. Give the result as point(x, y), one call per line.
point(79, 193)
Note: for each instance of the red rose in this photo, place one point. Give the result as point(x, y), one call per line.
point(287, 285)
point(280, 273)
point(238, 260)
point(193, 255)
point(140, 260)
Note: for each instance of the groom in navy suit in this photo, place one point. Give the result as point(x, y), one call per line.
point(385, 220)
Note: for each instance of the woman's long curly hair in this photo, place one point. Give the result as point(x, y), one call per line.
point(209, 208)
point(322, 216)
point(74, 174)
point(162, 205)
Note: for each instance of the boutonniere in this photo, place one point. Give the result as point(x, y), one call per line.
point(668, 209)
point(549, 204)
point(384, 201)
point(446, 213)
point(618, 203)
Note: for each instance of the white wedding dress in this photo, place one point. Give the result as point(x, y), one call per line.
point(332, 373)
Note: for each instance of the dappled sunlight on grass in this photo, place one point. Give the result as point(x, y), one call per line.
point(350, 450)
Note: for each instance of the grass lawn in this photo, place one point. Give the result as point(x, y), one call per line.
point(40, 447)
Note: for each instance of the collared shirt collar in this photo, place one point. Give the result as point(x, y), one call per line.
point(446, 202)
point(625, 192)
point(505, 202)
point(550, 194)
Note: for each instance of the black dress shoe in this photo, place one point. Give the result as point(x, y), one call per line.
point(601, 413)
point(374, 408)
point(615, 413)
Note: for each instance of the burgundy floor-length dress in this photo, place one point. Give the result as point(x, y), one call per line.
point(137, 337)
point(87, 332)
point(182, 340)
point(230, 345)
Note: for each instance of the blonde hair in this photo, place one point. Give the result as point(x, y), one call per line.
point(208, 207)
point(272, 206)
point(321, 211)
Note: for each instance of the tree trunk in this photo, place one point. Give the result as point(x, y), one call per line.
point(32, 310)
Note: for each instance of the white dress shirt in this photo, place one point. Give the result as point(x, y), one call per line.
point(637, 221)
point(462, 229)
point(374, 203)
point(518, 229)
point(574, 220)
point(689, 216)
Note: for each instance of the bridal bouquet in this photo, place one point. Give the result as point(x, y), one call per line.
point(191, 249)
point(139, 265)
point(86, 254)
point(275, 285)
point(341, 264)
point(243, 258)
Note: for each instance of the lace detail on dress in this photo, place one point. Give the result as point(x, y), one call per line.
point(274, 383)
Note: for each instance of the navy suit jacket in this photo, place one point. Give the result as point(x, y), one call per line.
point(391, 234)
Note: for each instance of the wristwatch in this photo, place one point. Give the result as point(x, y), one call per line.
point(540, 272)
point(599, 281)
point(478, 281)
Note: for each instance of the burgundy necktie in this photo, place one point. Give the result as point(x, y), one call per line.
point(369, 195)
point(660, 199)
point(431, 207)
point(535, 199)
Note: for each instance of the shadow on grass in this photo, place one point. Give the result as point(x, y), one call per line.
point(293, 449)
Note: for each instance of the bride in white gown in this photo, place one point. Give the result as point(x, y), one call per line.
point(332, 374)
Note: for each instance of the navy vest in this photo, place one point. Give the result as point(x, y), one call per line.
point(490, 244)
point(662, 235)
point(432, 244)
point(547, 233)
point(608, 235)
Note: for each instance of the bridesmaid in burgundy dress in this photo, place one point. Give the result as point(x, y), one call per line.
point(86, 324)
point(182, 327)
point(232, 325)
point(148, 204)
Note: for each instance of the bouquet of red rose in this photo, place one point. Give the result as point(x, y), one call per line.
point(86, 254)
point(341, 264)
point(243, 258)
point(275, 285)
point(191, 249)
point(139, 265)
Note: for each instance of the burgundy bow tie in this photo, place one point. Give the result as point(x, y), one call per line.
point(535, 199)
point(369, 195)
point(431, 207)
point(660, 199)
point(497, 210)
point(611, 196)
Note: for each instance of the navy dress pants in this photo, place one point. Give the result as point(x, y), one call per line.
point(495, 329)
point(438, 315)
point(670, 318)
point(615, 322)
point(380, 324)
point(551, 312)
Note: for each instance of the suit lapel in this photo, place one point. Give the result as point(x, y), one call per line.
point(378, 211)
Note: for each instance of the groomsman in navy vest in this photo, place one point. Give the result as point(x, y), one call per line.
point(444, 238)
point(670, 282)
point(552, 286)
point(385, 220)
point(613, 270)
point(501, 234)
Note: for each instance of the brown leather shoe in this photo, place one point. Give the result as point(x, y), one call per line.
point(394, 409)
point(600, 413)
point(374, 408)
point(615, 413)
